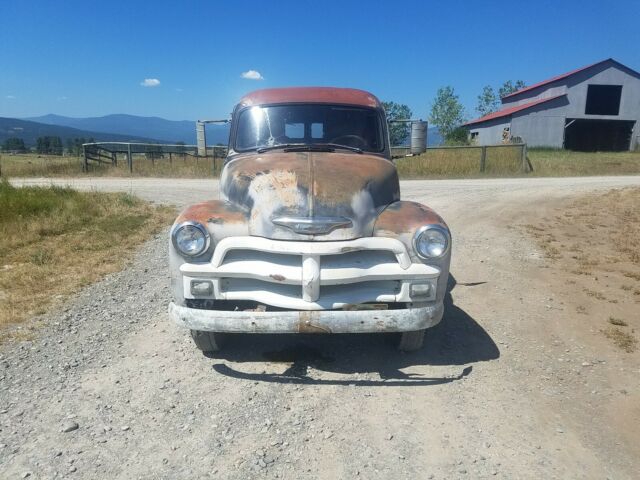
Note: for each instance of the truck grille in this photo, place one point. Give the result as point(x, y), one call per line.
point(310, 275)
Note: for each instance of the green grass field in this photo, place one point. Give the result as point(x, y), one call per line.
point(435, 163)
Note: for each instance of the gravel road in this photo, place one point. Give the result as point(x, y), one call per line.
point(109, 388)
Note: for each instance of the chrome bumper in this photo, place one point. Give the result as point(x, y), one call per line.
point(316, 321)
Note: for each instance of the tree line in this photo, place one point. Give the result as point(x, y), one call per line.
point(47, 145)
point(447, 113)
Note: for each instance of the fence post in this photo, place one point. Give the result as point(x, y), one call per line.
point(523, 157)
point(483, 159)
point(85, 162)
point(129, 158)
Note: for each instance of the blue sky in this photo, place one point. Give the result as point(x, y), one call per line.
point(89, 58)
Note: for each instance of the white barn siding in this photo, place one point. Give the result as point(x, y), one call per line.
point(544, 124)
point(490, 133)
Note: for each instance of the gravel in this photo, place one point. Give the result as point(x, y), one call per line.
point(107, 387)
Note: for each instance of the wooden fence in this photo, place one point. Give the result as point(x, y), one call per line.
point(481, 158)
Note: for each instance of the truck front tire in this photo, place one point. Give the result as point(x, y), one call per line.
point(208, 342)
point(411, 341)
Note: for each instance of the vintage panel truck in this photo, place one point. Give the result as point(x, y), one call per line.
point(309, 234)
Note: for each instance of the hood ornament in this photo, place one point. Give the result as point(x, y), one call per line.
point(312, 225)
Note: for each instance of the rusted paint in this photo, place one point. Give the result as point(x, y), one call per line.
point(404, 218)
point(277, 277)
point(346, 96)
point(214, 211)
point(306, 323)
point(307, 184)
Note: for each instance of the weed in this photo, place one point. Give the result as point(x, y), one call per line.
point(41, 257)
point(621, 339)
point(617, 321)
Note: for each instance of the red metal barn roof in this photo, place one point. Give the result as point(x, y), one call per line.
point(565, 75)
point(505, 112)
point(347, 96)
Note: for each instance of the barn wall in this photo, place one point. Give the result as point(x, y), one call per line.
point(542, 125)
point(490, 133)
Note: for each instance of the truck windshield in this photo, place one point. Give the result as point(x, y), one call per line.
point(273, 125)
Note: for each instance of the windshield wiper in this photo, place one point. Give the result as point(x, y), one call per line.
point(321, 147)
point(280, 145)
point(316, 147)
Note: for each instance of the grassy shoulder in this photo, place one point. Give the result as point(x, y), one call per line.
point(595, 242)
point(54, 240)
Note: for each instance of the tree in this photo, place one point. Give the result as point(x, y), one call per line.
point(459, 136)
point(447, 113)
point(13, 144)
point(42, 145)
point(510, 87)
point(487, 101)
point(56, 147)
point(49, 145)
point(398, 132)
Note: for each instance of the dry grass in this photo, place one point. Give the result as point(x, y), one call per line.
point(564, 163)
point(55, 240)
point(595, 231)
point(435, 163)
point(621, 339)
point(461, 162)
point(596, 238)
point(30, 165)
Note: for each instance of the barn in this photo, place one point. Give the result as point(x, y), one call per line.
point(594, 108)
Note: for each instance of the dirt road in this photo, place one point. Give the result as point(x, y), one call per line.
point(505, 387)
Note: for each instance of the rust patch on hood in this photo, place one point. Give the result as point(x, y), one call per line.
point(213, 211)
point(405, 217)
point(310, 184)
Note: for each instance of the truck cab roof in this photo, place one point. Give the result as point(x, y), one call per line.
point(330, 95)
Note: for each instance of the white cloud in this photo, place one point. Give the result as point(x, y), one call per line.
point(252, 75)
point(10, 97)
point(150, 82)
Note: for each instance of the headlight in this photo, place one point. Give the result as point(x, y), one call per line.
point(190, 238)
point(431, 241)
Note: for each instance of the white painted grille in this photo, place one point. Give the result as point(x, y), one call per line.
point(310, 275)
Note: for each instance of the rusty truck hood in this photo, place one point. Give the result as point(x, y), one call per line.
point(282, 190)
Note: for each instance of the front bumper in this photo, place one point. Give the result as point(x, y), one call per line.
point(316, 321)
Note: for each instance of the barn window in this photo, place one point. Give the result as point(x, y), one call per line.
point(603, 99)
point(474, 135)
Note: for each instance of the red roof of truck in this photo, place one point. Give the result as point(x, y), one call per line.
point(346, 96)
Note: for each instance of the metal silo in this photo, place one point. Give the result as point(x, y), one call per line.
point(418, 137)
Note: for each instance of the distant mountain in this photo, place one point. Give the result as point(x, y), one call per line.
point(167, 131)
point(30, 131)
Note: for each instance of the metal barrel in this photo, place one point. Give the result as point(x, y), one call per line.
point(418, 137)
